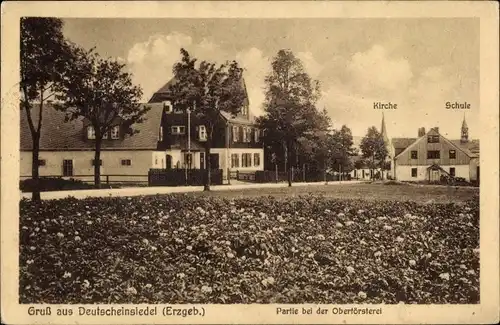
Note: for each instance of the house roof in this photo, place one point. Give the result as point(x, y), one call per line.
point(165, 90)
point(182, 143)
point(402, 143)
point(236, 119)
point(56, 134)
point(470, 147)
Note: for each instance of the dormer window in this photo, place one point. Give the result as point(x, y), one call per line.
point(90, 132)
point(202, 133)
point(115, 132)
point(167, 106)
point(178, 129)
point(433, 139)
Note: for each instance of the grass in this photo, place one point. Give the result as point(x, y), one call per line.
point(417, 193)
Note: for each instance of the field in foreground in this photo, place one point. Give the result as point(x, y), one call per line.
point(404, 192)
point(204, 249)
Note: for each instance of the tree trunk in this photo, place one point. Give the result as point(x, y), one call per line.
point(97, 165)
point(289, 171)
point(373, 168)
point(35, 168)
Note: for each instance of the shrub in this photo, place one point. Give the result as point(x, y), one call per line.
point(56, 184)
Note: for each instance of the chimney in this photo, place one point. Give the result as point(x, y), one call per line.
point(421, 132)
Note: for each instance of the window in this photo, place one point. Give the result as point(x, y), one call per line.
point(160, 136)
point(244, 110)
point(453, 154)
point(178, 129)
point(243, 134)
point(452, 171)
point(433, 154)
point(235, 134)
point(90, 132)
point(257, 135)
point(256, 159)
point(67, 167)
point(202, 133)
point(93, 162)
point(235, 160)
point(41, 162)
point(202, 160)
point(178, 110)
point(126, 162)
point(413, 172)
point(115, 132)
point(246, 160)
point(167, 106)
point(433, 139)
point(249, 135)
point(414, 154)
point(105, 135)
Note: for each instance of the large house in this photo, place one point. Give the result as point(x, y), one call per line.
point(67, 148)
point(236, 144)
point(431, 155)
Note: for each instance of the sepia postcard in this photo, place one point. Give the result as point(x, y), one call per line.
point(265, 162)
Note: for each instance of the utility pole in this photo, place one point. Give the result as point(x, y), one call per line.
point(228, 158)
point(188, 159)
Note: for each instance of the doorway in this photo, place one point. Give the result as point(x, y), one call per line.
point(214, 161)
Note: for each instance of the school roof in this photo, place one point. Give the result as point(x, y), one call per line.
point(56, 134)
point(471, 147)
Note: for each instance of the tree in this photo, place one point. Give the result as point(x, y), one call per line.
point(98, 90)
point(207, 89)
point(342, 150)
point(289, 106)
point(373, 147)
point(45, 55)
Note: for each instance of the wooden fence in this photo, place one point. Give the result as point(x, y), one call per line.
point(182, 177)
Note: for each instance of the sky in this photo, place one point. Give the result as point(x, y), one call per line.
point(417, 63)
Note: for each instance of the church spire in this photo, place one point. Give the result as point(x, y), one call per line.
point(464, 131)
point(383, 130)
point(387, 142)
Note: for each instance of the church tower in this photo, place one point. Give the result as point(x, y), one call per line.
point(387, 141)
point(465, 132)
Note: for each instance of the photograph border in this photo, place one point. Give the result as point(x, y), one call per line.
point(486, 312)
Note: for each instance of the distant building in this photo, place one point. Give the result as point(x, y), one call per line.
point(431, 155)
point(361, 170)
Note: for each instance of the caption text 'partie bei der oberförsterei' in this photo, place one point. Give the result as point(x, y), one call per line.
point(170, 311)
point(327, 311)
